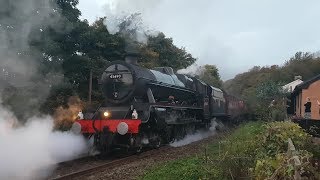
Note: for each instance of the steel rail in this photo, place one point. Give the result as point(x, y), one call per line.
point(111, 164)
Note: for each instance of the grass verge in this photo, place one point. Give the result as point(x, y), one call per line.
point(255, 150)
point(202, 166)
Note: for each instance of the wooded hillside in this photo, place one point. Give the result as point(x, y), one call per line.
point(267, 80)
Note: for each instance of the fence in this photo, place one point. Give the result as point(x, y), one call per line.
point(294, 159)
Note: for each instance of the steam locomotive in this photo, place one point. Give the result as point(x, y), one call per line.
point(149, 107)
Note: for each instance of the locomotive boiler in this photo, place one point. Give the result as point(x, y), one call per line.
point(149, 107)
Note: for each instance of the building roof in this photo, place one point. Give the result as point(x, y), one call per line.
point(293, 83)
point(216, 89)
point(306, 84)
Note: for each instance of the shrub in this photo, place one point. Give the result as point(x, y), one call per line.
point(273, 161)
point(282, 166)
point(276, 134)
point(253, 151)
point(236, 154)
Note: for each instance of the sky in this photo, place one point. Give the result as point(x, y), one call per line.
point(234, 35)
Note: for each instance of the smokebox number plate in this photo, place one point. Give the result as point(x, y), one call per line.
point(115, 76)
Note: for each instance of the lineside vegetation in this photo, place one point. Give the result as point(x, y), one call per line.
point(255, 150)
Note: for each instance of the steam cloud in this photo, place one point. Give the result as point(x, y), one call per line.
point(201, 134)
point(192, 70)
point(31, 151)
point(131, 12)
point(133, 28)
point(20, 23)
point(17, 21)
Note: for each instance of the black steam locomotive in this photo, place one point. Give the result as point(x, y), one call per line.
point(147, 107)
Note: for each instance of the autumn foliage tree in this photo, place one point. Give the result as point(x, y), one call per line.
point(210, 75)
point(247, 84)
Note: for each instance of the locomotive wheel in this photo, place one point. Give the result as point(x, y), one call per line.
point(179, 132)
point(157, 142)
point(165, 134)
point(139, 149)
point(138, 146)
point(190, 129)
point(105, 142)
point(104, 151)
point(183, 132)
point(159, 133)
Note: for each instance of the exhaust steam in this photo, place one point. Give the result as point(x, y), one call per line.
point(32, 151)
point(199, 135)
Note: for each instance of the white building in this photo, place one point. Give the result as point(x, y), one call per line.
point(290, 86)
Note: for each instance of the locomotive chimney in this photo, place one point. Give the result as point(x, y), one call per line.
point(132, 59)
point(297, 77)
point(132, 54)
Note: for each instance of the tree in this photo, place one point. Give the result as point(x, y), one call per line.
point(210, 75)
point(271, 101)
point(168, 53)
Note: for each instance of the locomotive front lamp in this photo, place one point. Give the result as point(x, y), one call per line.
point(106, 114)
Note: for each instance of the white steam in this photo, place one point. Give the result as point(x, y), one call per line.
point(22, 22)
point(32, 151)
point(131, 12)
point(192, 70)
point(18, 23)
point(201, 134)
point(133, 26)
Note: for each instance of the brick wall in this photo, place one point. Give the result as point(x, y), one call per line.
point(313, 92)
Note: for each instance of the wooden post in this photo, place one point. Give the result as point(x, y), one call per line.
point(90, 87)
point(296, 161)
point(205, 154)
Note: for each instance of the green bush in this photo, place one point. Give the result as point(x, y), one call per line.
point(214, 164)
point(273, 161)
point(253, 151)
point(282, 167)
point(238, 152)
point(276, 134)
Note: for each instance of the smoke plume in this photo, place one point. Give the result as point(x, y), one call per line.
point(22, 22)
point(127, 17)
point(201, 134)
point(31, 151)
point(65, 116)
point(18, 22)
point(193, 70)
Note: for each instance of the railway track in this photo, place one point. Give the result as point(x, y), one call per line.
point(80, 159)
point(110, 164)
point(87, 166)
